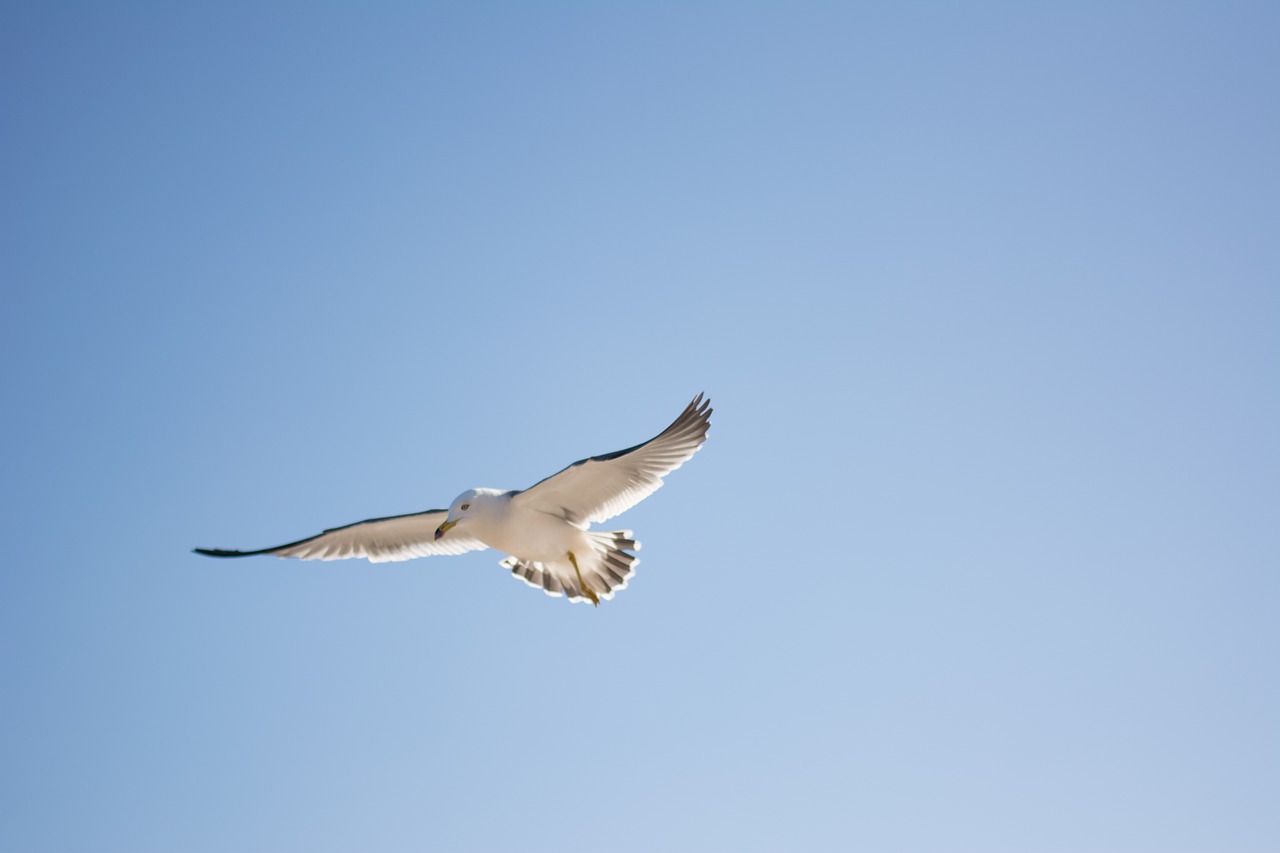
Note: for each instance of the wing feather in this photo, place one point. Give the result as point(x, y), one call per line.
point(379, 540)
point(598, 488)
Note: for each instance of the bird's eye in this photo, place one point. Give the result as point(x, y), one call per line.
point(465, 507)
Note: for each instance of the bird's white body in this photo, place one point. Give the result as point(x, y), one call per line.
point(546, 548)
point(504, 525)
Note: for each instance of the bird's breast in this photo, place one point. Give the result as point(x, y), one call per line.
point(532, 535)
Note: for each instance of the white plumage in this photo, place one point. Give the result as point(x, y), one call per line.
point(544, 528)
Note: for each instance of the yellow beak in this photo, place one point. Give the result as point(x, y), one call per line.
point(445, 528)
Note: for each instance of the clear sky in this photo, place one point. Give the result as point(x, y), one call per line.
point(982, 553)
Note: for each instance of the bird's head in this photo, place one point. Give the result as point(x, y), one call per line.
point(465, 507)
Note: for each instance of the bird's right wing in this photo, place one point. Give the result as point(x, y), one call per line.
point(379, 540)
point(598, 488)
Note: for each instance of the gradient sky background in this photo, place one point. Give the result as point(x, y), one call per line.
point(982, 554)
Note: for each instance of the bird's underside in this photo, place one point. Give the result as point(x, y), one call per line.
point(542, 528)
point(597, 574)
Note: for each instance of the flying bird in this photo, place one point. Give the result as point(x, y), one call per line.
point(543, 528)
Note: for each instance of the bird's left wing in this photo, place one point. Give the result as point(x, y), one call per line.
point(596, 489)
point(379, 540)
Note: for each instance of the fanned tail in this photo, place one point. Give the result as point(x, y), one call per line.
point(607, 570)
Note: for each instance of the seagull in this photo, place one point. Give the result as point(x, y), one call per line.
point(543, 528)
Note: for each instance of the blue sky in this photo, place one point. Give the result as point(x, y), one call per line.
point(981, 553)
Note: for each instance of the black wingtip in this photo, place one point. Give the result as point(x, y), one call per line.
point(218, 552)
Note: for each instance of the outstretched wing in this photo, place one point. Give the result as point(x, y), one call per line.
point(598, 488)
point(379, 540)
